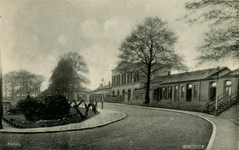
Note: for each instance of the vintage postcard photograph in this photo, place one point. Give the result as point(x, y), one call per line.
point(119, 74)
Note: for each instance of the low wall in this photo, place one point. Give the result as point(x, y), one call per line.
point(113, 99)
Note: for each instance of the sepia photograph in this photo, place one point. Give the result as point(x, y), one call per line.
point(119, 75)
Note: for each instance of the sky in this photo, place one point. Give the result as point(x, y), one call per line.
point(34, 33)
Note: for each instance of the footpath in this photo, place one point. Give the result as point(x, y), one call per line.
point(104, 117)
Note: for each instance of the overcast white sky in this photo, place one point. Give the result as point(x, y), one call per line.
point(35, 32)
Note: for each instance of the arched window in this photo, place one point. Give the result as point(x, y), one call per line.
point(228, 87)
point(170, 92)
point(182, 91)
point(195, 92)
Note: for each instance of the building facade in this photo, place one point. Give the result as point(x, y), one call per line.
point(203, 85)
point(127, 83)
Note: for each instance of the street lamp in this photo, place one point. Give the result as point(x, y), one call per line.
point(216, 106)
point(102, 91)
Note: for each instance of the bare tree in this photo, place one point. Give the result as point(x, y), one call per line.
point(149, 48)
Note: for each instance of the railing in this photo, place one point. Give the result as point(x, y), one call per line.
point(221, 98)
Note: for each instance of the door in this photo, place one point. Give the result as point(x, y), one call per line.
point(129, 95)
point(189, 92)
point(213, 91)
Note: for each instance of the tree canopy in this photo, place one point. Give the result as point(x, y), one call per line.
point(149, 48)
point(222, 41)
point(15, 80)
point(68, 76)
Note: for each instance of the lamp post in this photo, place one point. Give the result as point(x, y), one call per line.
point(102, 93)
point(216, 106)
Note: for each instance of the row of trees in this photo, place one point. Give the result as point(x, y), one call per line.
point(12, 81)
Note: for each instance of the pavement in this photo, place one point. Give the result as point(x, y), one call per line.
point(224, 136)
point(104, 117)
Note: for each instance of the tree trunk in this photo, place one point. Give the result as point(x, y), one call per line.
point(147, 98)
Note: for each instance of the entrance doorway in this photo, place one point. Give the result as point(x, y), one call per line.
point(189, 92)
point(129, 95)
point(213, 91)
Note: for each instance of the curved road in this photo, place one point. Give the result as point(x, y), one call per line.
point(142, 129)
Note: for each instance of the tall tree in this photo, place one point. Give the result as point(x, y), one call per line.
point(68, 76)
point(222, 41)
point(149, 48)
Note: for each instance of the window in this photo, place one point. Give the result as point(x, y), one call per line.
point(163, 93)
point(195, 91)
point(113, 80)
point(124, 79)
point(129, 77)
point(228, 88)
point(169, 92)
point(136, 76)
point(118, 93)
point(156, 93)
point(182, 91)
point(118, 80)
point(166, 93)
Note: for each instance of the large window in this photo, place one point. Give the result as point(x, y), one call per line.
point(228, 87)
point(118, 80)
point(195, 93)
point(113, 80)
point(124, 79)
point(163, 93)
point(156, 93)
point(136, 76)
point(129, 78)
point(170, 92)
point(182, 91)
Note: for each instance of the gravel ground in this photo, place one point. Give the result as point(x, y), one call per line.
point(142, 129)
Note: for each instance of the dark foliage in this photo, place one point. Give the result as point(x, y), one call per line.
point(50, 107)
point(28, 108)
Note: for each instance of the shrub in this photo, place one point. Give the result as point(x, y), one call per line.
point(55, 107)
point(28, 108)
point(50, 107)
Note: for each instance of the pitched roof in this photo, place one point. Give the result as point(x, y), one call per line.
point(188, 76)
point(233, 73)
point(24, 90)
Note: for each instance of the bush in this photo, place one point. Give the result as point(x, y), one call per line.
point(28, 107)
point(50, 107)
point(178, 105)
point(54, 107)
